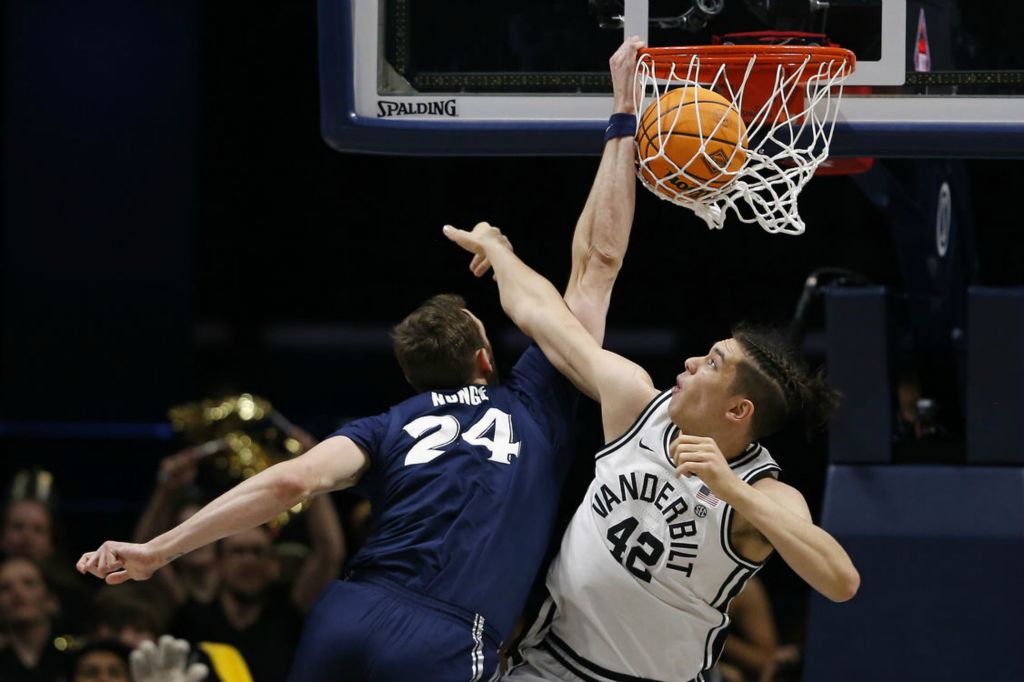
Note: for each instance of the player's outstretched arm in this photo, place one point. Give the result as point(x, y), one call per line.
point(779, 512)
point(333, 464)
point(602, 232)
point(622, 387)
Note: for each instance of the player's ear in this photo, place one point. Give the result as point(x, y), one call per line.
point(741, 410)
point(483, 362)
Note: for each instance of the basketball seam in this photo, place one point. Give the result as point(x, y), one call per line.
point(656, 143)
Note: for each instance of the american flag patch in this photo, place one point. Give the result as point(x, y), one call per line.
point(706, 495)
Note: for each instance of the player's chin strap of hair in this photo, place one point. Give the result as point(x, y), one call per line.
point(620, 125)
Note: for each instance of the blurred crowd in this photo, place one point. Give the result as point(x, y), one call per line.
point(239, 603)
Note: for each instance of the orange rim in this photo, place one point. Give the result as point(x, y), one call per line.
point(736, 58)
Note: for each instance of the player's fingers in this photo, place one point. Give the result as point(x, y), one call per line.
point(460, 237)
point(482, 267)
point(688, 469)
point(83, 562)
point(93, 563)
point(110, 562)
point(687, 438)
point(105, 557)
point(688, 451)
point(117, 577)
point(691, 449)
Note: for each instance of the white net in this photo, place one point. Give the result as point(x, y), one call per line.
point(789, 112)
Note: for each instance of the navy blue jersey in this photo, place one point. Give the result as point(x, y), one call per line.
point(464, 486)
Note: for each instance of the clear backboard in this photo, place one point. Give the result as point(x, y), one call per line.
point(933, 79)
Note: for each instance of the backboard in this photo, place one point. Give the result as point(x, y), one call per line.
point(933, 79)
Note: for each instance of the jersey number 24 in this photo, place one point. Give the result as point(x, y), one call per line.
point(436, 432)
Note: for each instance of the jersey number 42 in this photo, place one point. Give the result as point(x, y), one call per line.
point(436, 432)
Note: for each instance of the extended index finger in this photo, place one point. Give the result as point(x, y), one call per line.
point(460, 237)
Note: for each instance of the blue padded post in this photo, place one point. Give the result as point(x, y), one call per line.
point(995, 375)
point(858, 365)
point(939, 551)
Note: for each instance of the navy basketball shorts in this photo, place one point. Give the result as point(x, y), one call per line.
point(363, 630)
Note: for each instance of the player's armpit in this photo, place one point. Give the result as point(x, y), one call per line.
point(751, 543)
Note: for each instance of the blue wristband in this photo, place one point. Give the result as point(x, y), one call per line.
point(620, 125)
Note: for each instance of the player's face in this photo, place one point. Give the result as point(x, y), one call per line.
point(703, 392)
point(27, 530)
point(492, 378)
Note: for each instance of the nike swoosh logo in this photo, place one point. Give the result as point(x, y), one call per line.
point(644, 446)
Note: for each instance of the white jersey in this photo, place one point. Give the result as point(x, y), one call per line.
point(646, 571)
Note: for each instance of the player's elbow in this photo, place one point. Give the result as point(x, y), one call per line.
point(604, 260)
point(290, 487)
point(846, 587)
point(526, 313)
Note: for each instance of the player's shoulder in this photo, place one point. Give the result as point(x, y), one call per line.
point(783, 494)
point(458, 401)
point(625, 412)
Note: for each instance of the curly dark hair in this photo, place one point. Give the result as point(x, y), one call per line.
point(779, 382)
point(436, 343)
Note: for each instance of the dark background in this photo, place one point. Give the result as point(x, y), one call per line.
point(174, 227)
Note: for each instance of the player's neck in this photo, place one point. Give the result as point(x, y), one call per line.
point(732, 445)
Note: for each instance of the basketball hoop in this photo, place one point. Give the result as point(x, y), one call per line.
point(786, 95)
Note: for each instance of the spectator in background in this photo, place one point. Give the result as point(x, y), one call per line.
point(262, 622)
point(27, 608)
point(752, 652)
point(194, 577)
point(100, 661)
point(119, 615)
point(249, 614)
point(28, 532)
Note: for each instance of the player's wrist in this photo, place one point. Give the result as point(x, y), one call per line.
point(734, 491)
point(161, 550)
point(620, 124)
point(623, 105)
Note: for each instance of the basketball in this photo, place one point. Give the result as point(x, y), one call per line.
point(693, 139)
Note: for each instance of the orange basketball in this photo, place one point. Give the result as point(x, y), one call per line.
point(697, 148)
